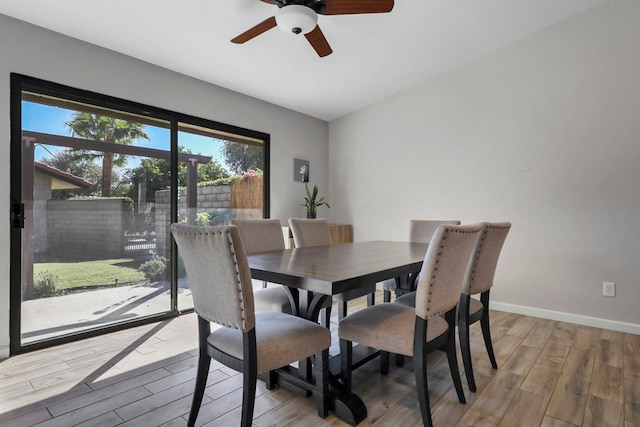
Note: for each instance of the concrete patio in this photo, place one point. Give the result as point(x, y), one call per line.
point(49, 317)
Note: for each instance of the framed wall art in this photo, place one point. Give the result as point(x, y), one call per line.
point(300, 170)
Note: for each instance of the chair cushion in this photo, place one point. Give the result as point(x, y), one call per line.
point(474, 306)
point(281, 339)
point(388, 327)
point(272, 299)
point(407, 299)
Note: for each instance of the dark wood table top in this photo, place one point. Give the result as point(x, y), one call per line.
point(338, 268)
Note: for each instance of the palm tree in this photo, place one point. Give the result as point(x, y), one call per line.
point(107, 129)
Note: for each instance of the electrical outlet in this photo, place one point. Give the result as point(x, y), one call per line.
point(608, 289)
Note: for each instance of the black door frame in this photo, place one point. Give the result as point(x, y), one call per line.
point(21, 83)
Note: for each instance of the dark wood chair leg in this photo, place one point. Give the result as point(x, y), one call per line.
point(486, 330)
point(386, 296)
point(204, 362)
point(248, 397)
point(452, 357)
point(346, 368)
point(321, 371)
point(371, 299)
point(463, 336)
point(420, 370)
point(270, 380)
point(249, 376)
point(384, 362)
point(325, 317)
point(342, 310)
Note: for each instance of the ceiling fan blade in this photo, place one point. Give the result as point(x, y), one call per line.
point(345, 7)
point(319, 42)
point(255, 31)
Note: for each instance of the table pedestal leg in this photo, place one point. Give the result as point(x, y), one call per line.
point(347, 406)
point(406, 284)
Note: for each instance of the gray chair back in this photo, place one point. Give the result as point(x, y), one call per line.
point(444, 268)
point(218, 272)
point(260, 235)
point(421, 230)
point(310, 232)
point(480, 276)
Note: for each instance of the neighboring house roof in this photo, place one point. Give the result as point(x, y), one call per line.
point(61, 180)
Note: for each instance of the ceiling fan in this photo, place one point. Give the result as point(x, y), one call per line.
point(301, 17)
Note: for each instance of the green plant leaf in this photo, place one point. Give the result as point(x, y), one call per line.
point(311, 201)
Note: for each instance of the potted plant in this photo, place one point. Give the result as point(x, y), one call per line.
point(311, 201)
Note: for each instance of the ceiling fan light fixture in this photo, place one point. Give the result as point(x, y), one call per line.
point(296, 19)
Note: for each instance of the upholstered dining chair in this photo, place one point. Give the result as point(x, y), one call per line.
point(264, 235)
point(216, 263)
point(479, 280)
point(410, 331)
point(315, 232)
point(420, 231)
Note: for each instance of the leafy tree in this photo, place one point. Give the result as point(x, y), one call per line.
point(242, 157)
point(75, 163)
point(206, 171)
point(157, 174)
point(107, 129)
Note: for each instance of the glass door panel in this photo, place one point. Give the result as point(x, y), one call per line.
point(91, 256)
point(220, 177)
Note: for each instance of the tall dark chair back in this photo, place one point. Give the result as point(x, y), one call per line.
point(216, 263)
point(218, 270)
point(260, 235)
point(310, 232)
point(420, 231)
point(403, 329)
point(316, 232)
point(479, 280)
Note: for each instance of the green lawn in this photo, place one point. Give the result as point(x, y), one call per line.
point(91, 273)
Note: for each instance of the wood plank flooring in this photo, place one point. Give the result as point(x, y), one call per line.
point(551, 374)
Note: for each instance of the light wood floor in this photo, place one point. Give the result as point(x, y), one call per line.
point(550, 374)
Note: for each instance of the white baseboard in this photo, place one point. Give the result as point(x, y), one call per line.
point(4, 352)
point(613, 325)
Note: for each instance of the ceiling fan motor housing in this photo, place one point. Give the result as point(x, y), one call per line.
point(296, 19)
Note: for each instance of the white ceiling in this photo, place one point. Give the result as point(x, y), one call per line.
point(374, 55)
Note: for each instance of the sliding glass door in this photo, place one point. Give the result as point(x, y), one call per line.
point(93, 197)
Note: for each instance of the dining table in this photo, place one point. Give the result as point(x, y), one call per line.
point(313, 274)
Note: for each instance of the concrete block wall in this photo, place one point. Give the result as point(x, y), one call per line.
point(88, 229)
point(211, 198)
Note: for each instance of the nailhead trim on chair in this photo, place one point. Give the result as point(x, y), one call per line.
point(437, 260)
point(235, 261)
point(238, 282)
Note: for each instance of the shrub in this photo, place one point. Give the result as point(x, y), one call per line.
point(203, 219)
point(156, 268)
point(45, 284)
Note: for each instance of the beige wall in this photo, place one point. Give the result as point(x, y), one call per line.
point(39, 53)
point(544, 133)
